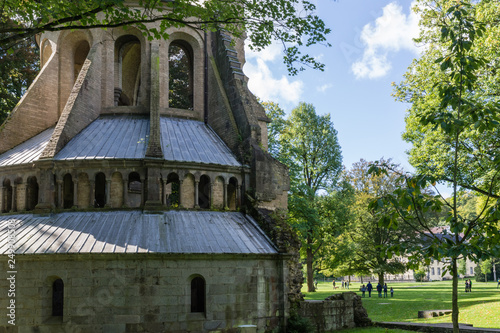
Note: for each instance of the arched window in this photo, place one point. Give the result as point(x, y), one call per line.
point(57, 298)
point(198, 294)
point(204, 192)
point(100, 190)
point(68, 188)
point(134, 183)
point(81, 51)
point(232, 196)
point(31, 193)
point(7, 196)
point(180, 62)
point(127, 70)
point(172, 190)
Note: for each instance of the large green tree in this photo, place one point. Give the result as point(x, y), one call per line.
point(292, 22)
point(307, 143)
point(453, 126)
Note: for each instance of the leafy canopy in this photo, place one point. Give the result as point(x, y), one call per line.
point(291, 22)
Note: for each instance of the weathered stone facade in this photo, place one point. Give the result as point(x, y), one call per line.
point(104, 129)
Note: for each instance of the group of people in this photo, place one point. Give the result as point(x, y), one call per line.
point(468, 286)
point(380, 288)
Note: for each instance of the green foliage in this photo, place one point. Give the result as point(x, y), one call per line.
point(486, 267)
point(462, 267)
point(18, 69)
point(291, 22)
point(420, 274)
point(298, 324)
point(453, 125)
point(275, 127)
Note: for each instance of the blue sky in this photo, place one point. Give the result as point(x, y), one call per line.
point(371, 47)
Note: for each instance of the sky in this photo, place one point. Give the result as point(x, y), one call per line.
point(371, 48)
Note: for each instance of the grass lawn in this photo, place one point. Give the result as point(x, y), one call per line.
point(480, 308)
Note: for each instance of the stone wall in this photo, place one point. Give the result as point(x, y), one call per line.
point(143, 293)
point(329, 315)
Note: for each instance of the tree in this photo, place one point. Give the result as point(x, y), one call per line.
point(368, 240)
point(485, 268)
point(18, 69)
point(462, 267)
point(454, 133)
point(275, 127)
point(310, 148)
point(292, 22)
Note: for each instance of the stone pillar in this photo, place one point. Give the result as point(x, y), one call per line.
point(154, 184)
point(59, 203)
point(108, 193)
point(92, 192)
point(75, 193)
point(46, 192)
point(238, 196)
point(225, 197)
point(196, 197)
point(154, 143)
point(2, 190)
point(181, 202)
point(142, 191)
point(163, 192)
point(125, 192)
point(14, 198)
point(22, 193)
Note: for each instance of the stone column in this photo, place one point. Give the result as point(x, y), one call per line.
point(142, 191)
point(196, 197)
point(181, 202)
point(75, 193)
point(22, 204)
point(154, 143)
point(2, 190)
point(225, 205)
point(125, 192)
point(163, 194)
point(13, 207)
point(59, 194)
point(92, 192)
point(238, 196)
point(46, 191)
point(108, 193)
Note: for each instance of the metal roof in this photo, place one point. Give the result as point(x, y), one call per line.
point(203, 232)
point(126, 136)
point(193, 141)
point(109, 137)
point(28, 151)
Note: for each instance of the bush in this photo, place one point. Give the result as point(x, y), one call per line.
point(298, 324)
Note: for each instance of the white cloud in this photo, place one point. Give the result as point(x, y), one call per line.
point(262, 81)
point(324, 87)
point(391, 32)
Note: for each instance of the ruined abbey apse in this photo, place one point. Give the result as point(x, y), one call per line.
point(137, 193)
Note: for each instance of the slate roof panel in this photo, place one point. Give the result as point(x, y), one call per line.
point(133, 231)
point(28, 151)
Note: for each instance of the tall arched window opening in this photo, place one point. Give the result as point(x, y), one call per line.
point(172, 190)
point(57, 298)
point(198, 294)
point(232, 197)
point(204, 192)
point(7, 196)
point(31, 193)
point(68, 191)
point(100, 190)
point(180, 83)
point(127, 70)
point(81, 52)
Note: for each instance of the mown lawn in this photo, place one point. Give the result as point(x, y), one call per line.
point(480, 308)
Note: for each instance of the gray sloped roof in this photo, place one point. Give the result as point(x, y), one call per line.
point(188, 232)
point(193, 141)
point(28, 151)
point(126, 136)
point(109, 137)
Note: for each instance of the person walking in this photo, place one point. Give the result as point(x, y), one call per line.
point(466, 286)
point(498, 284)
point(470, 285)
point(385, 290)
point(363, 289)
point(342, 284)
point(379, 290)
point(369, 287)
point(392, 292)
point(347, 284)
point(334, 284)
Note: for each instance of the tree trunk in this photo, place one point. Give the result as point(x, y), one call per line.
point(309, 266)
point(454, 297)
point(381, 279)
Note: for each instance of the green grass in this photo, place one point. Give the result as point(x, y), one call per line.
point(480, 308)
